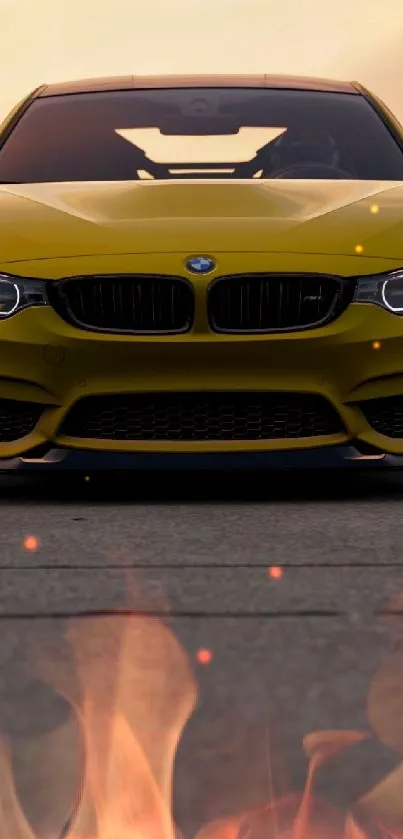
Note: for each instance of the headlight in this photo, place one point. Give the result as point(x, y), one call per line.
point(385, 290)
point(17, 293)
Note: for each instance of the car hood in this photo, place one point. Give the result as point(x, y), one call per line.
point(44, 221)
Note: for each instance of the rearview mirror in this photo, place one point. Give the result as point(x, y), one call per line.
point(182, 126)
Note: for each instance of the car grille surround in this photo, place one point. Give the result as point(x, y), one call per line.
point(276, 302)
point(237, 303)
point(125, 303)
point(202, 416)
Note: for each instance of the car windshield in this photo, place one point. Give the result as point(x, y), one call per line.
point(159, 134)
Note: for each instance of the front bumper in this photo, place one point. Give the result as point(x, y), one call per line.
point(76, 460)
point(47, 361)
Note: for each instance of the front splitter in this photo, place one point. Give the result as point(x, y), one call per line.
point(84, 460)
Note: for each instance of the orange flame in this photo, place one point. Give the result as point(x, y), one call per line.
point(12, 820)
point(133, 691)
point(134, 695)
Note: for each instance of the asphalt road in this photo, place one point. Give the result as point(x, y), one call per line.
point(291, 651)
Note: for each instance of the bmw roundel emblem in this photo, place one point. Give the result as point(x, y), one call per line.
point(200, 264)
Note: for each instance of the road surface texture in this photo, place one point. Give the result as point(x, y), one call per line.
point(286, 584)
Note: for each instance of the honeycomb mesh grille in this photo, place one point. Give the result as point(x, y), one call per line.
point(17, 419)
point(201, 416)
point(385, 415)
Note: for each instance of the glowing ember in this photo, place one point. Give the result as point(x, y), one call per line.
point(376, 345)
point(374, 209)
point(204, 656)
point(31, 543)
point(275, 572)
point(359, 249)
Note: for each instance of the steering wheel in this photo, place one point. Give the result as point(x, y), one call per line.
point(313, 170)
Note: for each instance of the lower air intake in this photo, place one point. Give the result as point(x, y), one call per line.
point(17, 419)
point(385, 415)
point(202, 416)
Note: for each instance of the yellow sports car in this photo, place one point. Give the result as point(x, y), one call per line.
point(201, 272)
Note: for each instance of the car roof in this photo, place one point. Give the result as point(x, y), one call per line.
point(176, 81)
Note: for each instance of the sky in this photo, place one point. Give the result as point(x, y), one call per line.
point(55, 40)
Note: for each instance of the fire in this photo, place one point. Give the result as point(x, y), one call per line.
point(132, 691)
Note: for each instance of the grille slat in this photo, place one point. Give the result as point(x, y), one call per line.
point(385, 415)
point(81, 303)
point(17, 419)
point(275, 302)
point(125, 303)
point(119, 308)
point(300, 292)
point(202, 416)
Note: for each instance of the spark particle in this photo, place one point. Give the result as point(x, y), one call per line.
point(359, 249)
point(204, 656)
point(374, 209)
point(275, 572)
point(376, 345)
point(31, 543)
point(87, 478)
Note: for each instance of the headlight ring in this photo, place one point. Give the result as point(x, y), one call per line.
point(385, 290)
point(17, 293)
